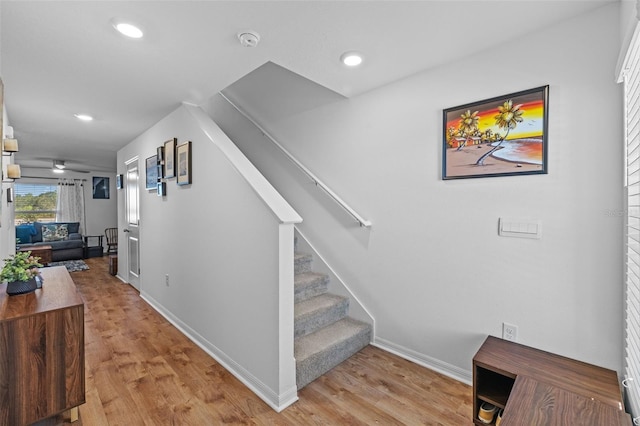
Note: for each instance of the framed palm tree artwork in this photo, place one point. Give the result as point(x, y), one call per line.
point(501, 136)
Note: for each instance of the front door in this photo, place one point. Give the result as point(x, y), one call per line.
point(132, 230)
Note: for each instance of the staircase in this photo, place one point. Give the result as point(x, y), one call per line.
point(324, 334)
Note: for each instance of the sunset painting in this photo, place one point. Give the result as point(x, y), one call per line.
point(506, 135)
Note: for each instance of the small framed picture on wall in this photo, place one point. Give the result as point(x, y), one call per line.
point(151, 165)
point(100, 187)
point(183, 155)
point(162, 189)
point(170, 158)
point(160, 162)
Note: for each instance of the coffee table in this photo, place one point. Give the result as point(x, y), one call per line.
point(43, 252)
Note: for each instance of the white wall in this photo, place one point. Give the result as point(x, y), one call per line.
point(218, 243)
point(432, 270)
point(100, 213)
point(629, 12)
point(629, 16)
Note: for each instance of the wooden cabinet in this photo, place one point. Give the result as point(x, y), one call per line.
point(44, 252)
point(41, 350)
point(535, 387)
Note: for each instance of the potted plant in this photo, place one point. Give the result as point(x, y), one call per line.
point(21, 273)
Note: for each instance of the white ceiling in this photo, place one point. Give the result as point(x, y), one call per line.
point(58, 58)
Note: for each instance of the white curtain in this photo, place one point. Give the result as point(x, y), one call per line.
point(70, 207)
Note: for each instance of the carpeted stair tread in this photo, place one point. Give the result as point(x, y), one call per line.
point(319, 352)
point(318, 303)
point(317, 312)
point(309, 284)
point(338, 331)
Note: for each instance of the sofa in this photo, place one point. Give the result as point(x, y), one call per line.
point(64, 238)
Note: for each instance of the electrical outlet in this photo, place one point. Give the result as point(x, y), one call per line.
point(509, 332)
point(166, 280)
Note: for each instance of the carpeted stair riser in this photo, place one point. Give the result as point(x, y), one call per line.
point(302, 263)
point(309, 284)
point(317, 312)
point(315, 358)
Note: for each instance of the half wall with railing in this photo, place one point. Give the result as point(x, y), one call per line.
point(216, 256)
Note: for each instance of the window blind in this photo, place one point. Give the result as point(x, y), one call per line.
point(35, 202)
point(631, 80)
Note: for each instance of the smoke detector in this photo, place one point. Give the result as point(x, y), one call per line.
point(249, 38)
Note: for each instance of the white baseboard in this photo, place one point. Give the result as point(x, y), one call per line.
point(276, 401)
point(434, 364)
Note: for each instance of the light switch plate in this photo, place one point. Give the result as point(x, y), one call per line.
point(520, 227)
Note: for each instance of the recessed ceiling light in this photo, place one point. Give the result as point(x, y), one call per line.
point(128, 30)
point(83, 117)
point(351, 59)
point(57, 170)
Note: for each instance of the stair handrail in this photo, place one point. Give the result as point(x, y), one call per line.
point(363, 222)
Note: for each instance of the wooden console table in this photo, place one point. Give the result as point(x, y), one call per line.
point(41, 350)
point(535, 387)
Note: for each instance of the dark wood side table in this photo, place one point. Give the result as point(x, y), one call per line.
point(95, 250)
point(535, 387)
point(41, 350)
point(43, 252)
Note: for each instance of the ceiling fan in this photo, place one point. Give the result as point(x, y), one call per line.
point(59, 167)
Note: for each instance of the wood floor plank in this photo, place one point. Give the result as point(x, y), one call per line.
point(140, 370)
point(144, 393)
point(93, 409)
point(404, 394)
point(119, 407)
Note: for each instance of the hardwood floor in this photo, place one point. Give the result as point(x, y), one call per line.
point(140, 370)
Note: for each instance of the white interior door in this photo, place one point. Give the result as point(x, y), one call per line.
point(132, 230)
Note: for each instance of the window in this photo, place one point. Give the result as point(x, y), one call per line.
point(631, 79)
point(35, 202)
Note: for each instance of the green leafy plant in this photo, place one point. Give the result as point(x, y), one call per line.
point(20, 267)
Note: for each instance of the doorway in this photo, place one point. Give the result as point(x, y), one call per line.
point(132, 229)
